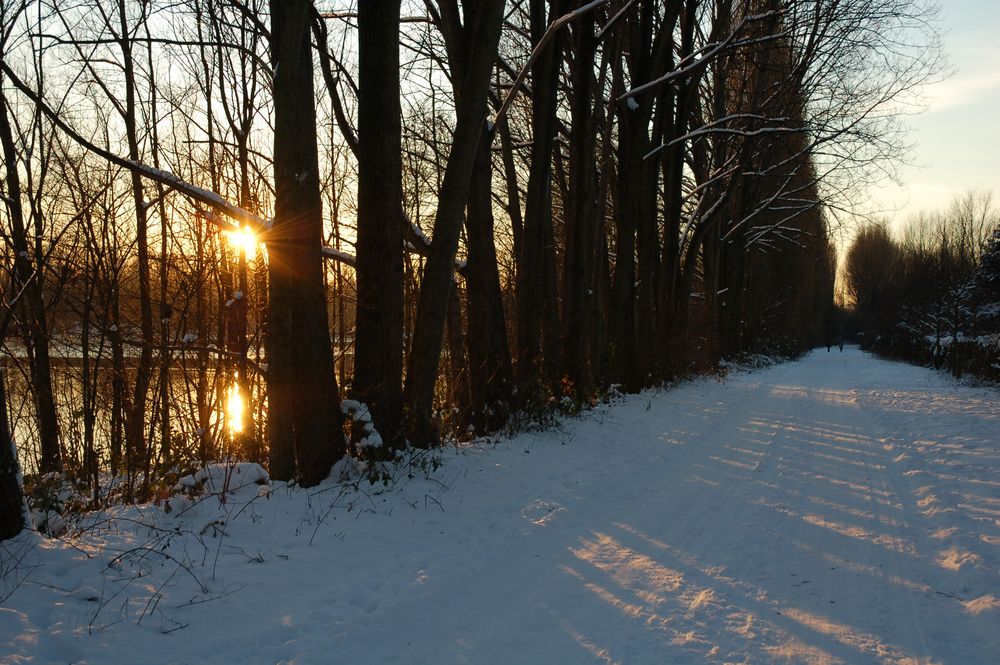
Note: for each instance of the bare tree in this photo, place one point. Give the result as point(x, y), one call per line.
point(378, 359)
point(28, 254)
point(304, 420)
point(478, 36)
point(11, 500)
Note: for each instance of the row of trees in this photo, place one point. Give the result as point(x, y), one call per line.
point(468, 209)
point(931, 292)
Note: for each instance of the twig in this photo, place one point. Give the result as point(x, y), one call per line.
point(156, 596)
point(536, 52)
point(208, 599)
point(428, 496)
point(148, 550)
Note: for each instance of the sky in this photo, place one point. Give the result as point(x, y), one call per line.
point(956, 141)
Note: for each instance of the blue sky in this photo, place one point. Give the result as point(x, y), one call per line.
point(957, 139)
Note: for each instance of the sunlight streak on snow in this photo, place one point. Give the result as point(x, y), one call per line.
point(954, 559)
point(889, 542)
point(865, 643)
point(824, 394)
point(986, 603)
point(649, 580)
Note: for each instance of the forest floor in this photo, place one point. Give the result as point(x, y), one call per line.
point(838, 509)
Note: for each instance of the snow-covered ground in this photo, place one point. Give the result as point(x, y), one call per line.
point(840, 509)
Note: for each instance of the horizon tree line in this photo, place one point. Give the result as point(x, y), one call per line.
point(927, 291)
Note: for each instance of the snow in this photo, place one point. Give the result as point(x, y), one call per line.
point(362, 417)
point(198, 193)
point(338, 255)
point(839, 509)
point(225, 478)
point(419, 234)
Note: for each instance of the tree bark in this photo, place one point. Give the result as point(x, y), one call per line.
point(11, 498)
point(304, 402)
point(28, 275)
point(536, 257)
point(490, 372)
point(378, 360)
point(135, 436)
point(483, 30)
point(578, 260)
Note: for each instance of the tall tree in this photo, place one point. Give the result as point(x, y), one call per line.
point(537, 308)
point(305, 423)
point(28, 277)
point(11, 499)
point(378, 357)
point(578, 257)
point(480, 34)
point(491, 375)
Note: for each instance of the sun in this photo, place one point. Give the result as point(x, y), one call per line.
point(243, 239)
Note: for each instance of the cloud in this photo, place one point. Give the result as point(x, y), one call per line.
point(976, 78)
point(963, 90)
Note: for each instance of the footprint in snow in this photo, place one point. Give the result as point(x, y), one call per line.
point(541, 512)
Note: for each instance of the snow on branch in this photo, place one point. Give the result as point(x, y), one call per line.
point(748, 133)
point(614, 19)
point(204, 196)
point(339, 255)
point(353, 16)
point(704, 55)
point(417, 241)
point(705, 128)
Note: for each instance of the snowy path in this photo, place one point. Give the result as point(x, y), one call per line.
point(840, 509)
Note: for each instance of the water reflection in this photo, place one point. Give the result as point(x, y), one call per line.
point(206, 408)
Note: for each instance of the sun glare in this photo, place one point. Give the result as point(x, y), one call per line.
point(234, 409)
point(245, 241)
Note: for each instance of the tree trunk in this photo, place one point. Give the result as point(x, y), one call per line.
point(202, 243)
point(483, 39)
point(490, 372)
point(457, 358)
point(378, 360)
point(674, 298)
point(535, 258)
point(578, 264)
point(166, 310)
point(28, 275)
point(621, 309)
point(11, 498)
point(118, 398)
point(135, 435)
point(305, 422)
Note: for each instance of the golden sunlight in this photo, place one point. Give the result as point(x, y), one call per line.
point(244, 239)
point(234, 409)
